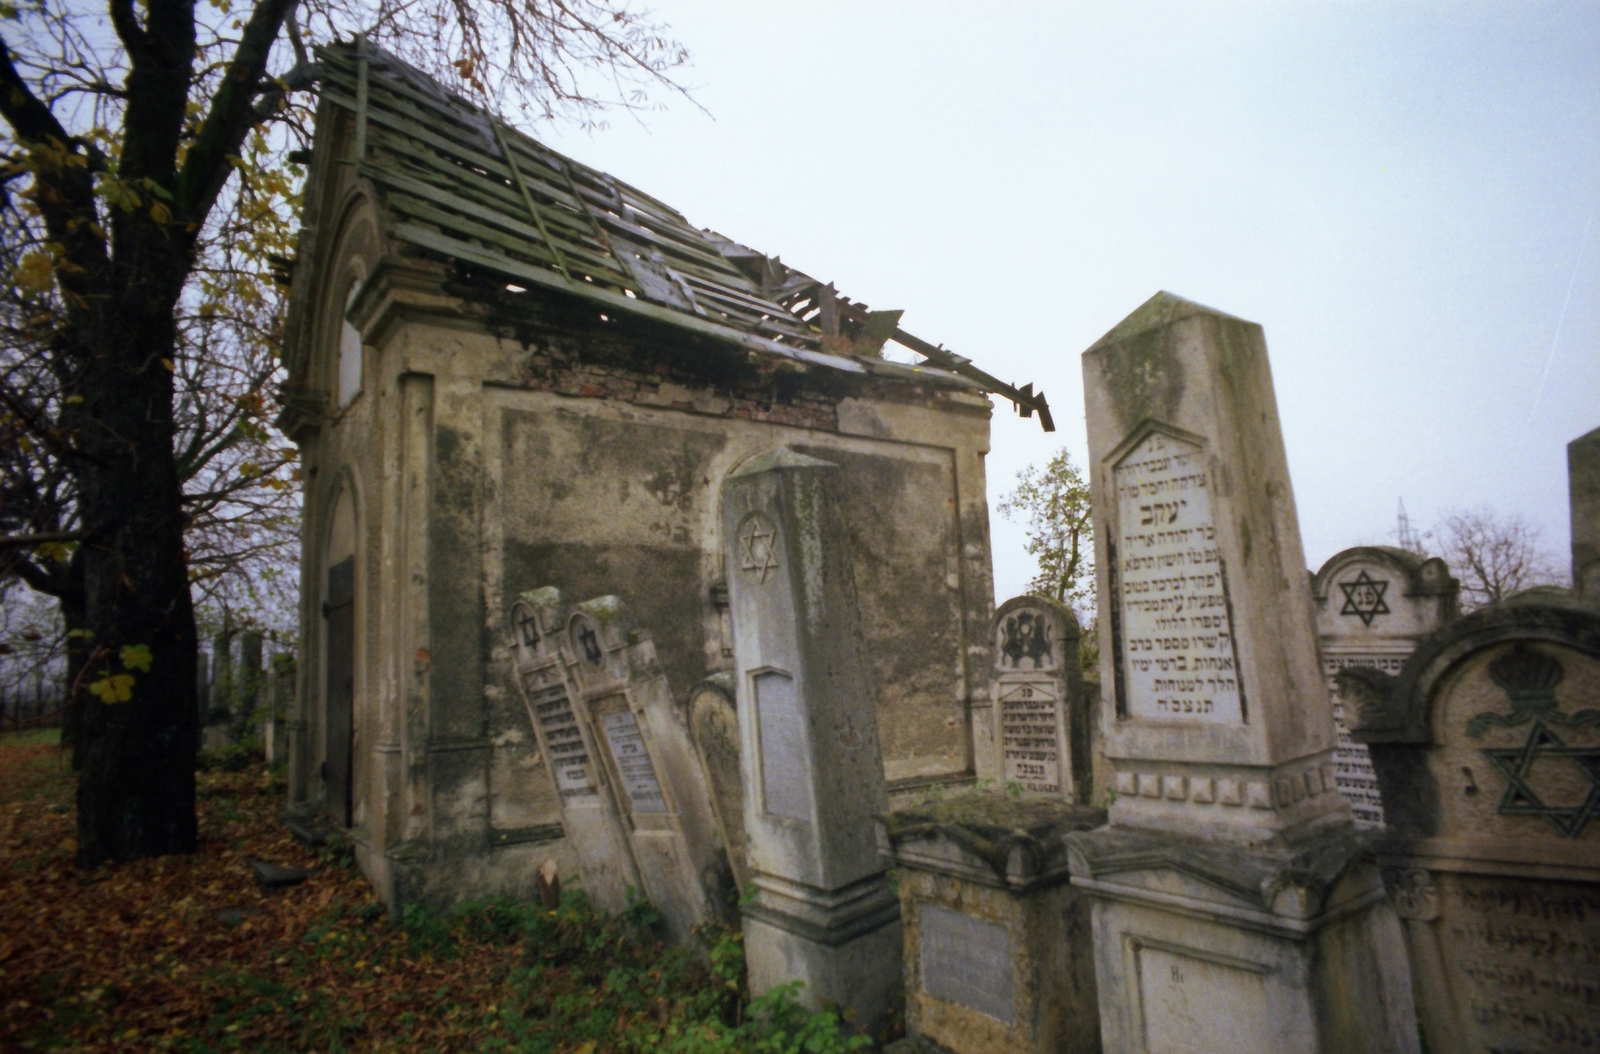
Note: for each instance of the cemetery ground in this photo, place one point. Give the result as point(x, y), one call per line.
point(189, 953)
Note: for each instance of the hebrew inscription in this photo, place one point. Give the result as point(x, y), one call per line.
point(1528, 955)
point(569, 757)
point(1030, 734)
point(633, 762)
point(967, 961)
point(1353, 773)
point(1177, 633)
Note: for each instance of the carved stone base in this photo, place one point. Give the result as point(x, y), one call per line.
point(1206, 949)
point(844, 945)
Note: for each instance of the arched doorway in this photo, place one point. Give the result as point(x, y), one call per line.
point(338, 611)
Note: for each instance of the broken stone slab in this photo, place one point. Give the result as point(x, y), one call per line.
point(277, 876)
point(309, 829)
point(233, 916)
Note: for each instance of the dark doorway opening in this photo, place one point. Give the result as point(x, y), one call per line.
point(339, 610)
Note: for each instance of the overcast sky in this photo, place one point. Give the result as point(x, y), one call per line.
point(1403, 194)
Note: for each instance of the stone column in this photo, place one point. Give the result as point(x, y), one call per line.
point(1583, 491)
point(1234, 907)
point(823, 912)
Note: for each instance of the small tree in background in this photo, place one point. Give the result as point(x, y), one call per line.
point(1060, 530)
point(1494, 556)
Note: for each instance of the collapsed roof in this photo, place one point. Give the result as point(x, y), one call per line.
point(468, 187)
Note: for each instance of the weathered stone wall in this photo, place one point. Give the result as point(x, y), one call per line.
point(501, 443)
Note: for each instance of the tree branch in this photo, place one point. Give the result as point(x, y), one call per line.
point(231, 115)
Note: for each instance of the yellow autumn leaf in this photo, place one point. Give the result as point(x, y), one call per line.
point(136, 657)
point(116, 688)
point(34, 273)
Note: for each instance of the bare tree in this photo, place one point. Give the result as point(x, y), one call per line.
point(128, 127)
point(1493, 555)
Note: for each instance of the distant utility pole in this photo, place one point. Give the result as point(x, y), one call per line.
point(1407, 533)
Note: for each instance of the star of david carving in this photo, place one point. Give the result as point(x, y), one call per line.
point(530, 629)
point(756, 536)
point(590, 643)
point(1521, 799)
point(1363, 596)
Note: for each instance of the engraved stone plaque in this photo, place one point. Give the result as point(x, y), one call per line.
point(967, 961)
point(1176, 642)
point(633, 762)
point(569, 758)
point(1197, 1006)
point(1526, 959)
point(1030, 734)
point(783, 747)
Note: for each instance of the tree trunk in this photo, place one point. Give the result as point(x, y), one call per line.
point(136, 757)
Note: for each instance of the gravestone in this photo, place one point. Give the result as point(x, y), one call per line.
point(1373, 604)
point(622, 758)
point(590, 817)
point(1234, 907)
point(822, 912)
point(998, 953)
point(1487, 750)
point(1041, 729)
point(714, 724)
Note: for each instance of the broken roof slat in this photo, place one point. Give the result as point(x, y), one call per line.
point(479, 191)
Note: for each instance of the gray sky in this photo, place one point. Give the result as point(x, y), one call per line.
point(1403, 194)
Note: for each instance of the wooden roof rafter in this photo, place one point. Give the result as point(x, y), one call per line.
point(465, 185)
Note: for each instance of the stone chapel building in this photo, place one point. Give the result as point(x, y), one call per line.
point(508, 371)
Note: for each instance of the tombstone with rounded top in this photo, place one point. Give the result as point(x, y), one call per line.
point(1373, 603)
point(1040, 730)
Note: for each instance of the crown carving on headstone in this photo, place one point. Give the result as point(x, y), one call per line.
point(1528, 677)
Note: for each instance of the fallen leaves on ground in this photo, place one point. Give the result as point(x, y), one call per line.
point(188, 953)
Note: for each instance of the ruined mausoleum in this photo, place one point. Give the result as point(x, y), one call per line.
point(510, 373)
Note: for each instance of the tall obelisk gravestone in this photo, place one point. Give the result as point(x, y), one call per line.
point(822, 912)
point(1234, 908)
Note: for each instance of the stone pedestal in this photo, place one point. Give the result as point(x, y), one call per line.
point(998, 953)
point(1234, 907)
point(1041, 732)
point(822, 912)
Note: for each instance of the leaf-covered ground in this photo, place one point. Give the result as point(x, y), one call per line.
point(189, 954)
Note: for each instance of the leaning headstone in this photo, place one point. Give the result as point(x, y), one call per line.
point(1040, 726)
point(1373, 604)
point(714, 723)
point(1233, 907)
point(998, 952)
point(644, 742)
point(589, 815)
point(823, 912)
point(634, 800)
